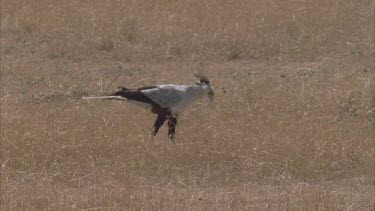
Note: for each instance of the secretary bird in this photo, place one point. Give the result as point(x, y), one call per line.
point(167, 101)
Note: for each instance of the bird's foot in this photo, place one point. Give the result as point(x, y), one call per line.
point(152, 137)
point(171, 139)
point(152, 133)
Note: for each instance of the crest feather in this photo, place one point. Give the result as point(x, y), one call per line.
point(202, 78)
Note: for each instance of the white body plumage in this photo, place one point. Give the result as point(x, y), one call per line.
point(168, 100)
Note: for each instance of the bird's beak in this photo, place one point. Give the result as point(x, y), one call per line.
point(211, 96)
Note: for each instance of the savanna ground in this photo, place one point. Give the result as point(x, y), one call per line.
point(292, 127)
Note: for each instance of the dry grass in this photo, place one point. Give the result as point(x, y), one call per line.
point(292, 127)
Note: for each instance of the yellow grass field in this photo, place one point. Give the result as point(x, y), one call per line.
point(292, 126)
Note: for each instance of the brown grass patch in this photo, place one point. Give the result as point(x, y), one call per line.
point(292, 126)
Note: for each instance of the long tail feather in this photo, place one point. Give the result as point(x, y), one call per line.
point(104, 98)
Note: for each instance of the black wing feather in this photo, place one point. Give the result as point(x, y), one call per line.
point(135, 95)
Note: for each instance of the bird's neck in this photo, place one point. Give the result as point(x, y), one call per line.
point(196, 91)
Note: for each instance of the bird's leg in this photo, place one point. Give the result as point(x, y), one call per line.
point(158, 123)
point(172, 122)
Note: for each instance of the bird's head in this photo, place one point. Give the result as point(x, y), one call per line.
point(203, 81)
